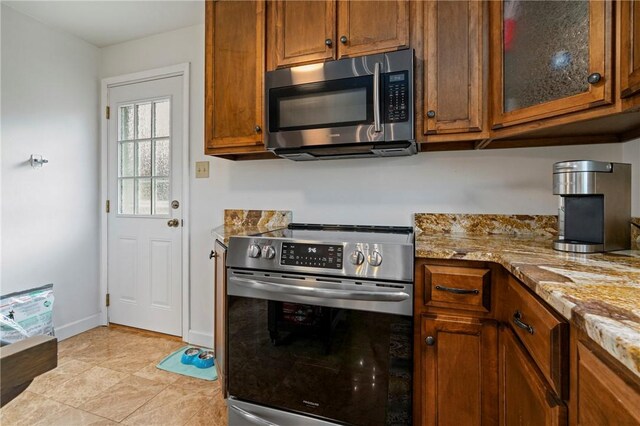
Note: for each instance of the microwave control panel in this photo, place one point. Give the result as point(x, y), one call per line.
point(313, 255)
point(396, 96)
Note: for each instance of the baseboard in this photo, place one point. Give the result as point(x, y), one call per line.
point(77, 327)
point(198, 338)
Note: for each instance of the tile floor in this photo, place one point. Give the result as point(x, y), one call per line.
point(107, 376)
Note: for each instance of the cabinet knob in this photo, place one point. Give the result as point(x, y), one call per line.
point(431, 113)
point(343, 39)
point(430, 340)
point(257, 129)
point(328, 42)
point(594, 78)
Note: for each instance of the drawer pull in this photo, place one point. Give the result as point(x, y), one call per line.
point(517, 320)
point(457, 290)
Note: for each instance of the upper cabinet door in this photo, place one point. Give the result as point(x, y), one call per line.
point(366, 27)
point(234, 68)
point(454, 64)
point(304, 32)
point(549, 58)
point(630, 48)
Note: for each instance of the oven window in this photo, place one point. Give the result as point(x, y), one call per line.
point(334, 103)
point(343, 365)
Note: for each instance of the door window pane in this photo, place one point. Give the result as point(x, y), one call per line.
point(161, 159)
point(143, 126)
point(143, 196)
point(143, 165)
point(144, 162)
point(127, 158)
point(546, 51)
point(161, 119)
point(161, 195)
point(126, 201)
point(126, 123)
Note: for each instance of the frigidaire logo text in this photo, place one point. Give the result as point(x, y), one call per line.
point(312, 404)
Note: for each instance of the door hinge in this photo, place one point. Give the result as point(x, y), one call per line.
point(182, 222)
point(108, 301)
point(107, 112)
point(107, 206)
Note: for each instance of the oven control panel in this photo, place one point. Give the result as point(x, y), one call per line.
point(396, 96)
point(312, 255)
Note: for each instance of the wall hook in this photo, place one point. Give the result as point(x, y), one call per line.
point(37, 160)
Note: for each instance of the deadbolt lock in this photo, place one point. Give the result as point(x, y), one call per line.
point(175, 204)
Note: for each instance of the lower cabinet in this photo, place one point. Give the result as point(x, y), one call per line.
point(220, 313)
point(459, 370)
point(603, 393)
point(525, 396)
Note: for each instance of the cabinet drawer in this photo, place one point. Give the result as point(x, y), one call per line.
point(457, 287)
point(543, 333)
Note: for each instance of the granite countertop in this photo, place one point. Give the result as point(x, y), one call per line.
point(249, 222)
point(600, 293)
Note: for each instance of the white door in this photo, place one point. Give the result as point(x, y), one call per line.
point(145, 194)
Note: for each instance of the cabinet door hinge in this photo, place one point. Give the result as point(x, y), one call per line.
point(107, 206)
point(107, 112)
point(108, 301)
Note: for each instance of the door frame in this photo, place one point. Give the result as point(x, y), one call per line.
point(123, 80)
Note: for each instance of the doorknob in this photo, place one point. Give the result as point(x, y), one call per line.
point(173, 223)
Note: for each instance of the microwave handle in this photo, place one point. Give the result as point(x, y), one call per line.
point(377, 125)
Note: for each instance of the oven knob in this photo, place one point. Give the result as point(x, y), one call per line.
point(268, 252)
point(254, 250)
point(375, 258)
point(357, 257)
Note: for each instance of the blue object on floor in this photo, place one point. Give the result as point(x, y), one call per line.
point(189, 355)
point(172, 363)
point(204, 359)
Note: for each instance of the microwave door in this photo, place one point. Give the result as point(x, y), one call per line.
point(341, 111)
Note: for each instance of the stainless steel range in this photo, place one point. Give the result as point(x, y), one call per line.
point(319, 326)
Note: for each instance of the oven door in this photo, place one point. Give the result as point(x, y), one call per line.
point(332, 103)
point(324, 348)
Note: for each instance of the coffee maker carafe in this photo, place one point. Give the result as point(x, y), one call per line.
point(595, 206)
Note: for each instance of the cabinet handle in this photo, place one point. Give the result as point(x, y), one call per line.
point(343, 39)
point(213, 254)
point(431, 113)
point(258, 129)
point(594, 78)
point(517, 320)
point(430, 340)
point(457, 290)
point(328, 42)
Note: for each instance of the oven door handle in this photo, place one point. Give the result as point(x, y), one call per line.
point(387, 296)
point(252, 418)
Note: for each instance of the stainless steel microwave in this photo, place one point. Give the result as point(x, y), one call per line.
point(350, 108)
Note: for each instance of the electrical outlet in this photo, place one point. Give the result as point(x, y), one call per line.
point(202, 169)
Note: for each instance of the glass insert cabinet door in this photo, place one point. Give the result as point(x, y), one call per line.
point(144, 151)
point(552, 57)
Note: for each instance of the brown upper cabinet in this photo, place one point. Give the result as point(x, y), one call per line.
point(315, 31)
point(549, 58)
point(234, 71)
point(630, 46)
point(454, 78)
point(301, 32)
point(503, 73)
point(366, 27)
